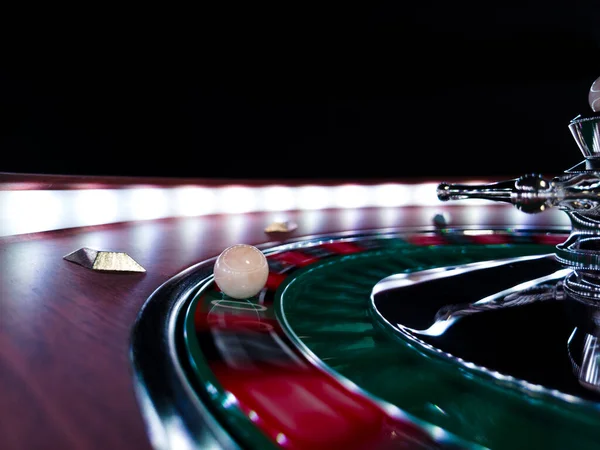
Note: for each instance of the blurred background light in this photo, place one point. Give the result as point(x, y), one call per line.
point(30, 211)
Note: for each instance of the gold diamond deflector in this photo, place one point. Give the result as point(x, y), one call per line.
point(281, 227)
point(104, 261)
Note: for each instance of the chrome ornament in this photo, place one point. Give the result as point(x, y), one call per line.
point(574, 280)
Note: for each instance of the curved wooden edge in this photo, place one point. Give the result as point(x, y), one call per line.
point(22, 181)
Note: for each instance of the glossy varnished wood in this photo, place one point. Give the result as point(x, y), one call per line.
point(65, 330)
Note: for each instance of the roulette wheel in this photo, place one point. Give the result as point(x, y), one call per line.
point(421, 314)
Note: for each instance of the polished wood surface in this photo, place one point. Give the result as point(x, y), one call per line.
point(64, 329)
point(19, 181)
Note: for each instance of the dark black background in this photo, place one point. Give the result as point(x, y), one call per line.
point(395, 89)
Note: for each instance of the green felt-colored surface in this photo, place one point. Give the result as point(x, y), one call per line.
point(326, 306)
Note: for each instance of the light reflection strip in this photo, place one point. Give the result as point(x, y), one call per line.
point(31, 211)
